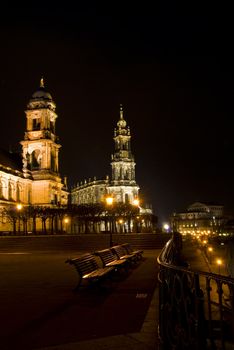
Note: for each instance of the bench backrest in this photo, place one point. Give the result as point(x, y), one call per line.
point(127, 247)
point(106, 256)
point(85, 264)
point(119, 250)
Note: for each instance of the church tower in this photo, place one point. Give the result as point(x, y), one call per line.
point(41, 148)
point(123, 184)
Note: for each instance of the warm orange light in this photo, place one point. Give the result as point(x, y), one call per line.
point(210, 249)
point(219, 262)
point(136, 202)
point(120, 221)
point(66, 220)
point(19, 206)
point(109, 200)
point(204, 242)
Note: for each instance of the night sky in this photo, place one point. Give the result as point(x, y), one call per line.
point(171, 66)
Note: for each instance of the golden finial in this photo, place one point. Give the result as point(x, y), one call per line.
point(42, 82)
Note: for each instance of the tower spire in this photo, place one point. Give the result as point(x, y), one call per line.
point(121, 111)
point(122, 161)
point(42, 85)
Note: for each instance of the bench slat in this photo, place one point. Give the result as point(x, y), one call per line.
point(121, 253)
point(110, 259)
point(88, 269)
point(130, 250)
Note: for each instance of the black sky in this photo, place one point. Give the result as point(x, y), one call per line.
point(170, 65)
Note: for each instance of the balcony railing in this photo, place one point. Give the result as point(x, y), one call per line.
point(195, 308)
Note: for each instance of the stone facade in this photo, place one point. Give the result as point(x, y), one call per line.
point(32, 178)
point(200, 218)
point(122, 185)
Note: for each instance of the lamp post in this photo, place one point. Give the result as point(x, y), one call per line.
point(136, 203)
point(121, 225)
point(210, 250)
point(166, 228)
point(204, 243)
point(219, 263)
point(66, 221)
point(19, 208)
point(109, 203)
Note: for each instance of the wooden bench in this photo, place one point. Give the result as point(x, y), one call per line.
point(108, 258)
point(120, 251)
point(88, 269)
point(129, 250)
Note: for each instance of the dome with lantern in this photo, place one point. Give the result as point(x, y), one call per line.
point(41, 98)
point(41, 92)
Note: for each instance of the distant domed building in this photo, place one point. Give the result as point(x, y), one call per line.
point(32, 177)
point(199, 218)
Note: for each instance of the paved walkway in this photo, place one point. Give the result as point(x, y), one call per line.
point(146, 339)
point(40, 311)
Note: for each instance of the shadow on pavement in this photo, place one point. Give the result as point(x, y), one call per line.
point(40, 308)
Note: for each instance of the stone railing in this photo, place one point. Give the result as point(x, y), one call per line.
point(195, 308)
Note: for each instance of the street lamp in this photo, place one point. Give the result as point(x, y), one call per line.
point(166, 228)
point(109, 200)
point(66, 221)
point(210, 250)
point(121, 225)
point(135, 224)
point(219, 263)
point(136, 202)
point(109, 203)
point(19, 206)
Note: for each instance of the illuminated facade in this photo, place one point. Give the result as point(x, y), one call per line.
point(200, 218)
point(32, 178)
point(122, 185)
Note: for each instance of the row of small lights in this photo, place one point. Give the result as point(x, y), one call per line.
point(109, 201)
point(219, 261)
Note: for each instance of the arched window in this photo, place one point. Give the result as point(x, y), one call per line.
point(18, 192)
point(29, 196)
point(10, 191)
point(126, 198)
point(35, 159)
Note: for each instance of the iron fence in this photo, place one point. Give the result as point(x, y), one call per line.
point(195, 307)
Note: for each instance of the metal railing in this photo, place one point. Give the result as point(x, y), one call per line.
point(195, 307)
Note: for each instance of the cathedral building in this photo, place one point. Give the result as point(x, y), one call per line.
point(32, 177)
point(122, 186)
